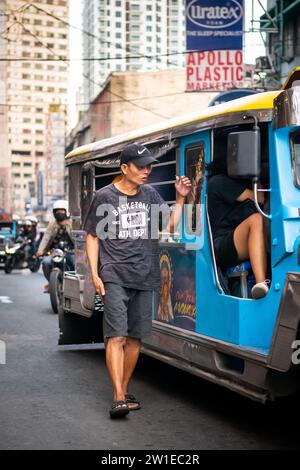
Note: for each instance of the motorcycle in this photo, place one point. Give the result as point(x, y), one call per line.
point(59, 262)
point(18, 257)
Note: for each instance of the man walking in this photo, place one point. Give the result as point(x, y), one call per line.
point(122, 250)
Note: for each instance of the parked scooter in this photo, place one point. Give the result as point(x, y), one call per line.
point(60, 258)
point(19, 256)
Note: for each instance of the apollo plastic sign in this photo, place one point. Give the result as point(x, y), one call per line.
point(214, 17)
point(214, 70)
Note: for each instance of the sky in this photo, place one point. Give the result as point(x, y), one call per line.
point(253, 46)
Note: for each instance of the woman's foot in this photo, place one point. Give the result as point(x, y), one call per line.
point(260, 289)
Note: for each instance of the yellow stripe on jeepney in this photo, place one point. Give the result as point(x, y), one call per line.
point(259, 101)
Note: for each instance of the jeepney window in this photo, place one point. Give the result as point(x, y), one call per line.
point(295, 150)
point(87, 189)
point(74, 189)
point(194, 170)
point(163, 176)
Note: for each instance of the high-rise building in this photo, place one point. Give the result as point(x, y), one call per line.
point(133, 35)
point(5, 199)
point(35, 93)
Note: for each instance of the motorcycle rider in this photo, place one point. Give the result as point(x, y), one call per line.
point(26, 236)
point(57, 230)
point(35, 233)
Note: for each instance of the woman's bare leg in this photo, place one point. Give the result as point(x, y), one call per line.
point(249, 241)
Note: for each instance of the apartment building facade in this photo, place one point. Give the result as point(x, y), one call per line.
point(148, 98)
point(130, 35)
point(36, 76)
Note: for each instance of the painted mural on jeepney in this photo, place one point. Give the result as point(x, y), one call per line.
point(177, 304)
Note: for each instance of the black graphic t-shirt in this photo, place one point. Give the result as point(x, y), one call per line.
point(127, 228)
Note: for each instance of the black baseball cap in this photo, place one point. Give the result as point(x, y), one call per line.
point(137, 154)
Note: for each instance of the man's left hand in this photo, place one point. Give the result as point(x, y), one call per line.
point(183, 186)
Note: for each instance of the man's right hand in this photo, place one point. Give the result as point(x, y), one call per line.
point(99, 286)
point(39, 254)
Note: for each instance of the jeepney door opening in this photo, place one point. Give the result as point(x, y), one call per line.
point(231, 281)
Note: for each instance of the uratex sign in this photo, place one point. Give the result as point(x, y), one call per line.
point(214, 24)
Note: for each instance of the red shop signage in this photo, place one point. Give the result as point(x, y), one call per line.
point(214, 70)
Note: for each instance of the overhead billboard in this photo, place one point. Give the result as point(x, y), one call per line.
point(214, 33)
point(214, 24)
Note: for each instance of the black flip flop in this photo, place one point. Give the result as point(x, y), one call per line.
point(130, 399)
point(119, 409)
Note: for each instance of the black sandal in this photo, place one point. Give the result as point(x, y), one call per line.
point(119, 409)
point(131, 400)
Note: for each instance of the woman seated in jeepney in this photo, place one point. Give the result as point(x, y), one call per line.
point(237, 226)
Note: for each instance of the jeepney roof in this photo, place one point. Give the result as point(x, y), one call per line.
point(259, 101)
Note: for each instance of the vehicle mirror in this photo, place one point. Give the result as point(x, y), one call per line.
point(243, 154)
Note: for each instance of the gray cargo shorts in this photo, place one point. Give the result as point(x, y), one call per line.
point(128, 312)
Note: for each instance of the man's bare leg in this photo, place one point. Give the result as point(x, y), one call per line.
point(250, 244)
point(115, 365)
point(131, 354)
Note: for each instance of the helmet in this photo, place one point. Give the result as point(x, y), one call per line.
point(27, 223)
point(61, 204)
point(32, 219)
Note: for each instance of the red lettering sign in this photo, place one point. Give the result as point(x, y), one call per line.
point(214, 70)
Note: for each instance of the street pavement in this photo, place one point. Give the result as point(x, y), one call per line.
point(59, 399)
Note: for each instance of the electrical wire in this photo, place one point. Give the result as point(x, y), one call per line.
point(88, 33)
point(88, 78)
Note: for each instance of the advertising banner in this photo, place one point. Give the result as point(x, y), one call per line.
point(214, 25)
point(214, 70)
